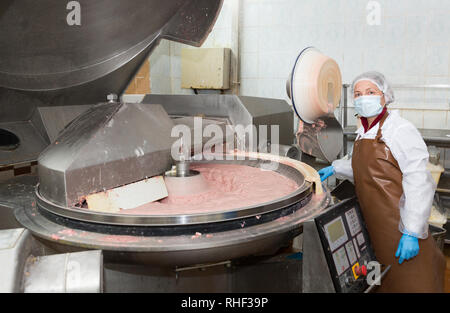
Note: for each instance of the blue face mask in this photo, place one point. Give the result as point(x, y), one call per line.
point(368, 106)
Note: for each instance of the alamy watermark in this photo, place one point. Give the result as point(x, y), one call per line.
point(240, 142)
point(373, 273)
point(374, 16)
point(74, 15)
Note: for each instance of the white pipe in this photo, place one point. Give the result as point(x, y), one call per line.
point(235, 52)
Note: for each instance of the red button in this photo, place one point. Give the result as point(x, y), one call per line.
point(364, 270)
point(361, 270)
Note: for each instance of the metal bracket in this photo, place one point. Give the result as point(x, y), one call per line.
point(316, 275)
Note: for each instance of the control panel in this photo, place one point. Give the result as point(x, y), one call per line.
point(346, 244)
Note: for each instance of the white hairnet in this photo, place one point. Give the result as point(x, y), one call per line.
point(379, 80)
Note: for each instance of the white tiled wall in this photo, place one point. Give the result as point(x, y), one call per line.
point(410, 46)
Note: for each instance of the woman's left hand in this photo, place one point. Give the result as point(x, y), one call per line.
point(408, 248)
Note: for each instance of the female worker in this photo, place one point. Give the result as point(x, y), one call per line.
point(394, 188)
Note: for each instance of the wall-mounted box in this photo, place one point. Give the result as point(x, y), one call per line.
point(205, 68)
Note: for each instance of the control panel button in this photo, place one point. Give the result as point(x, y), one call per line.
point(361, 270)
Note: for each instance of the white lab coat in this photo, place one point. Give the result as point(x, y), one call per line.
point(409, 149)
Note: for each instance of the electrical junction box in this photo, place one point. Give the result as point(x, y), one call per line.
point(205, 68)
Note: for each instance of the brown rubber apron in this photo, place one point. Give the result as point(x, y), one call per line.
point(378, 184)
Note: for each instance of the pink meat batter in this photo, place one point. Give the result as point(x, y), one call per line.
point(229, 187)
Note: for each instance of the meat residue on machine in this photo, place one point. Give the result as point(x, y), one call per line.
point(223, 187)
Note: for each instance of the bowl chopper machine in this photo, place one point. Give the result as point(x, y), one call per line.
point(49, 78)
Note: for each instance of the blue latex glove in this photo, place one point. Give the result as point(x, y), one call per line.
point(326, 172)
point(407, 248)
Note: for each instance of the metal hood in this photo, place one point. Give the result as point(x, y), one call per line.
point(109, 145)
point(44, 61)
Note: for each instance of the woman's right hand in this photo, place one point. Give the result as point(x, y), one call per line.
point(408, 248)
point(326, 172)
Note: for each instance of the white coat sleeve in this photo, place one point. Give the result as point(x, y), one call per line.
point(343, 168)
point(410, 151)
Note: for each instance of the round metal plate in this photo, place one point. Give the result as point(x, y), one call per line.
point(292, 81)
point(180, 250)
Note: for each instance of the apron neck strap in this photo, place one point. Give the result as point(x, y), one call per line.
point(378, 138)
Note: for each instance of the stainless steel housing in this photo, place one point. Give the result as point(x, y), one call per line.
point(110, 145)
point(113, 144)
point(43, 52)
point(48, 66)
point(46, 62)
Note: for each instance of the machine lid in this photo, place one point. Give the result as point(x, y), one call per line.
point(48, 45)
point(314, 85)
